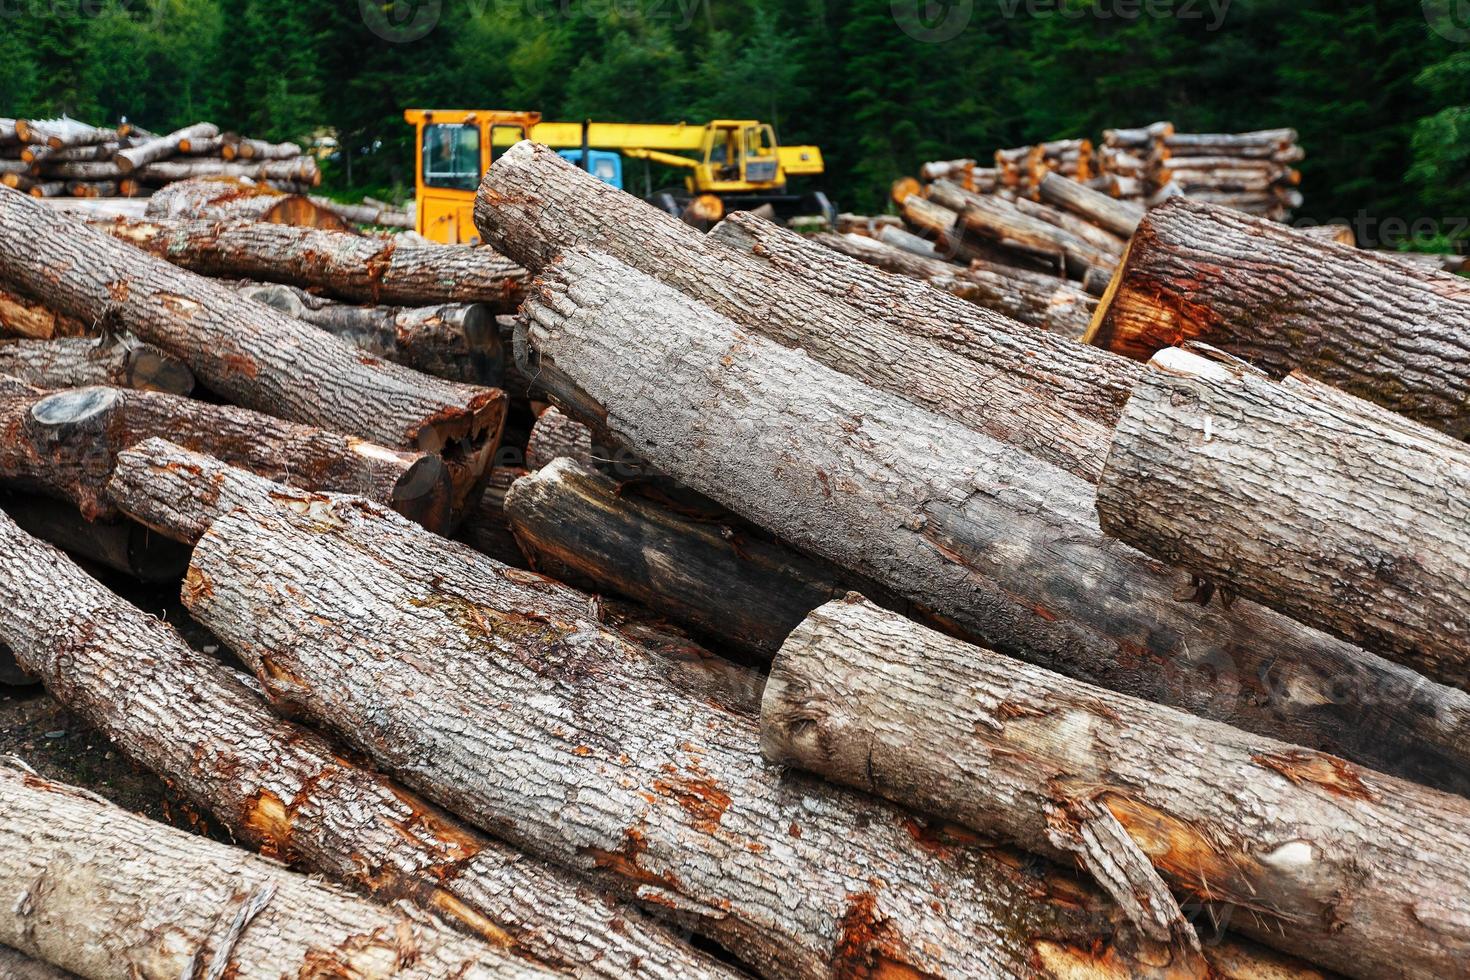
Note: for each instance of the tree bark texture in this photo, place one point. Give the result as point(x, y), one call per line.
point(457, 341)
point(534, 205)
point(558, 733)
point(291, 795)
point(556, 434)
point(1330, 509)
point(301, 170)
point(73, 362)
point(247, 352)
point(1354, 870)
point(1286, 301)
point(113, 896)
point(65, 445)
point(15, 965)
point(355, 268)
point(968, 527)
point(995, 219)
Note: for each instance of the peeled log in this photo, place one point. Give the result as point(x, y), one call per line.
point(1354, 870)
point(289, 793)
point(970, 528)
point(159, 147)
point(110, 895)
point(253, 355)
point(534, 205)
point(721, 578)
point(572, 743)
point(227, 198)
point(356, 268)
point(66, 444)
point(1330, 509)
point(457, 341)
point(74, 362)
point(1287, 301)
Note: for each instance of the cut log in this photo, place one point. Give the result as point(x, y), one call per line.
point(110, 895)
point(79, 170)
point(207, 146)
point(301, 170)
point(15, 965)
point(49, 188)
point(92, 188)
point(160, 147)
point(457, 341)
point(289, 793)
point(354, 268)
point(1119, 217)
point(1265, 141)
point(1357, 871)
point(557, 435)
point(1332, 510)
point(366, 214)
point(21, 316)
point(964, 525)
point(247, 149)
point(229, 198)
point(1256, 290)
point(1059, 306)
point(979, 368)
point(1003, 222)
point(66, 444)
point(75, 362)
point(709, 571)
point(251, 354)
point(1104, 241)
point(121, 545)
point(61, 133)
point(592, 759)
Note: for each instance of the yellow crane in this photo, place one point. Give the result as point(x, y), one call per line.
point(728, 163)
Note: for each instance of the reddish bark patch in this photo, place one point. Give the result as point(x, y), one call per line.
point(867, 946)
point(242, 364)
point(939, 838)
point(266, 816)
point(624, 862)
point(700, 798)
point(1304, 767)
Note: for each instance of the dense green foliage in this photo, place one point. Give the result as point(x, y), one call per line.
point(1378, 95)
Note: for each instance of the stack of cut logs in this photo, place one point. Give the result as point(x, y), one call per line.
point(63, 157)
point(1250, 172)
point(825, 625)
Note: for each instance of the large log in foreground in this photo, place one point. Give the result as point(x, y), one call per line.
point(534, 205)
point(570, 741)
point(970, 528)
point(65, 444)
point(1287, 301)
point(251, 354)
point(288, 793)
point(112, 896)
point(356, 268)
point(1357, 871)
point(73, 362)
point(1330, 509)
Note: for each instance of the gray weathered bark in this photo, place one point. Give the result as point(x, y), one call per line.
point(65, 444)
point(356, 268)
point(970, 528)
point(288, 793)
point(591, 758)
point(110, 895)
point(534, 205)
point(224, 199)
point(74, 362)
point(1119, 217)
point(1332, 510)
point(245, 351)
point(995, 219)
point(247, 149)
point(1287, 301)
point(15, 965)
point(1357, 871)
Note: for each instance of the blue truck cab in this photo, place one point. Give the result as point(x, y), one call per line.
point(605, 165)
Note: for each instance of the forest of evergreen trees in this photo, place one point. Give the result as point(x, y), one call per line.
point(1380, 91)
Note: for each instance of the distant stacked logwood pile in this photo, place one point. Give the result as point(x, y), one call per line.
point(61, 157)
